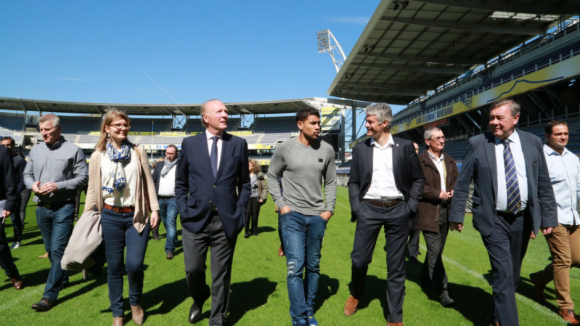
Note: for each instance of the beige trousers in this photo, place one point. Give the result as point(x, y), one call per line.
point(564, 243)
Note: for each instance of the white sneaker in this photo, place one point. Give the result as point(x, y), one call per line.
point(15, 245)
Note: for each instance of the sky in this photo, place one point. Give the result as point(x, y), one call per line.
point(172, 51)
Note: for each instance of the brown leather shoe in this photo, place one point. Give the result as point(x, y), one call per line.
point(395, 324)
point(138, 314)
point(496, 323)
point(280, 252)
point(535, 279)
point(169, 255)
point(350, 306)
point(16, 283)
point(156, 234)
point(569, 316)
point(117, 321)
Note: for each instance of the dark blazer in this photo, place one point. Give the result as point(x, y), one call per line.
point(7, 179)
point(157, 174)
point(428, 219)
point(19, 166)
point(196, 190)
point(408, 175)
point(479, 163)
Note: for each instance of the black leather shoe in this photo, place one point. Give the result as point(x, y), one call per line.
point(44, 304)
point(195, 310)
point(413, 260)
point(247, 235)
point(446, 301)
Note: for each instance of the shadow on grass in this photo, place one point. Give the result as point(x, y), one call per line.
point(327, 287)
point(29, 280)
point(527, 289)
point(246, 296)
point(265, 229)
point(169, 295)
point(375, 288)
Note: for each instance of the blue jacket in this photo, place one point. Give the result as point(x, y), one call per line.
point(196, 190)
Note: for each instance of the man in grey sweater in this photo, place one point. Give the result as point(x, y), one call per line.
point(306, 163)
point(55, 171)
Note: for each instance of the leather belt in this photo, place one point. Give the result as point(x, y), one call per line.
point(383, 203)
point(166, 197)
point(54, 205)
point(118, 209)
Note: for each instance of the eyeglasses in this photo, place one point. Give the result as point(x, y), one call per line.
point(121, 126)
point(437, 138)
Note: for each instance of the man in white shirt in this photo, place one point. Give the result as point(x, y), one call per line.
point(564, 241)
point(164, 179)
point(385, 187)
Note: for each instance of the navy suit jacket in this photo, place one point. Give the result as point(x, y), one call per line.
point(479, 163)
point(406, 168)
point(197, 191)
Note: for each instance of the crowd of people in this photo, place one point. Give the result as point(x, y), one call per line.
point(521, 187)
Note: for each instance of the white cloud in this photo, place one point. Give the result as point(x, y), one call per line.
point(350, 20)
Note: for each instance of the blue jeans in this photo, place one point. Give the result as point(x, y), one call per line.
point(302, 236)
point(168, 213)
point(56, 226)
point(118, 233)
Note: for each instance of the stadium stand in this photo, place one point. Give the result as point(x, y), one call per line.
point(79, 124)
point(275, 125)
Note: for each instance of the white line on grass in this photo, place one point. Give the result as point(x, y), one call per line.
point(545, 311)
point(10, 304)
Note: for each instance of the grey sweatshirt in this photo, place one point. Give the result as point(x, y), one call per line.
point(63, 163)
point(303, 169)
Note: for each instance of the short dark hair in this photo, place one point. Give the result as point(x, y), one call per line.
point(9, 138)
point(550, 126)
point(171, 146)
point(303, 114)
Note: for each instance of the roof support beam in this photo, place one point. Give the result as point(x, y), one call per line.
point(469, 26)
point(378, 99)
point(390, 92)
point(540, 7)
point(391, 86)
point(423, 69)
point(426, 58)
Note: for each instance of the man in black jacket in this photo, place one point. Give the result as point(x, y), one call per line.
point(16, 216)
point(8, 201)
point(385, 187)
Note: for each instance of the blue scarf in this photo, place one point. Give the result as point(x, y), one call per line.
point(116, 179)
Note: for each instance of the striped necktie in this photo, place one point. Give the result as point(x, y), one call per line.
point(511, 179)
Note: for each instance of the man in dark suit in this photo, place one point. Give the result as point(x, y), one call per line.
point(385, 186)
point(212, 189)
point(9, 198)
point(512, 198)
point(164, 180)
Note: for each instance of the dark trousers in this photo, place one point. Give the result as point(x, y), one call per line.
point(506, 246)
point(56, 224)
point(433, 272)
point(118, 234)
point(413, 242)
point(195, 247)
point(17, 221)
point(252, 214)
point(370, 220)
point(6, 260)
point(280, 230)
point(25, 197)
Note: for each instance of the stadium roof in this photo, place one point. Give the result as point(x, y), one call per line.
point(411, 47)
point(265, 107)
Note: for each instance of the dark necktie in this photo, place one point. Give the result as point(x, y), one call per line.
point(213, 156)
point(511, 179)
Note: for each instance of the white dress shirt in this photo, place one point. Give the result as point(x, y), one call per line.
point(220, 142)
point(167, 183)
point(440, 164)
point(383, 186)
point(520, 162)
point(565, 176)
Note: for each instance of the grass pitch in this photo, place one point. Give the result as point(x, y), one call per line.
point(259, 294)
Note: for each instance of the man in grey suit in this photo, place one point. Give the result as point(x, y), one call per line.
point(512, 198)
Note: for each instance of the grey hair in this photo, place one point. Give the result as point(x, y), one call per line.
point(514, 106)
point(52, 117)
point(430, 131)
point(382, 111)
point(204, 107)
